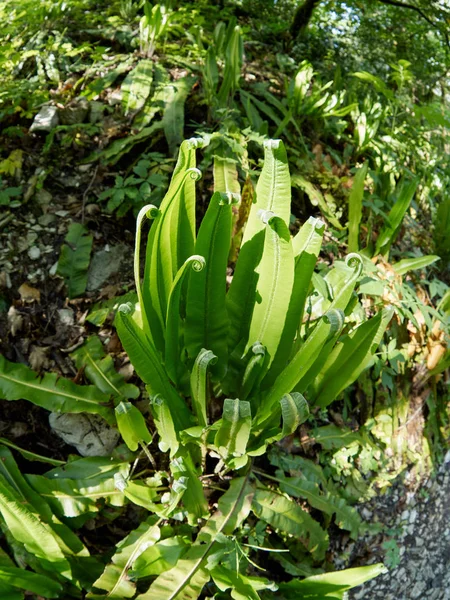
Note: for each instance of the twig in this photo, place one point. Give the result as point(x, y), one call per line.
point(6, 219)
point(420, 12)
point(85, 193)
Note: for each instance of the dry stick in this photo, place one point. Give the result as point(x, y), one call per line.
point(9, 217)
point(85, 193)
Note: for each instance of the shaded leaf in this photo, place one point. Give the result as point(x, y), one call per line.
point(99, 369)
point(55, 394)
point(132, 426)
point(74, 259)
point(115, 580)
point(284, 514)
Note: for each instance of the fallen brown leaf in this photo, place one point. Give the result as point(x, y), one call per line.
point(38, 358)
point(29, 294)
point(15, 321)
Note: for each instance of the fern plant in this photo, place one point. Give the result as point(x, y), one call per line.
point(225, 370)
point(245, 354)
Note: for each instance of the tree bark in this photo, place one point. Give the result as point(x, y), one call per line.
point(302, 17)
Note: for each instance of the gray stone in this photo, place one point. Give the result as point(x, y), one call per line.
point(104, 264)
point(46, 119)
point(34, 253)
point(418, 589)
point(89, 434)
point(66, 317)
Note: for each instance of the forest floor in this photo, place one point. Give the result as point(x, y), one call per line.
point(43, 327)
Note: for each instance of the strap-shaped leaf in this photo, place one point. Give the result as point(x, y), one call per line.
point(186, 580)
point(31, 582)
point(171, 239)
point(114, 579)
point(199, 385)
point(350, 358)
point(18, 382)
point(143, 495)
point(194, 500)
point(309, 238)
point(306, 246)
point(298, 368)
point(276, 278)
point(317, 587)
point(136, 86)
point(173, 118)
point(329, 503)
point(10, 471)
point(405, 194)
point(253, 371)
point(31, 456)
point(73, 262)
point(243, 588)
point(226, 176)
point(99, 369)
point(93, 468)
point(159, 558)
point(148, 366)
point(38, 505)
point(273, 190)
point(75, 497)
point(236, 504)
point(166, 424)
point(286, 515)
point(355, 208)
point(173, 348)
point(234, 432)
point(28, 529)
point(206, 316)
point(308, 353)
point(132, 427)
point(273, 193)
point(147, 212)
point(410, 264)
point(234, 55)
point(294, 411)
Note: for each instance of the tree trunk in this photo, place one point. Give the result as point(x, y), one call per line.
point(302, 17)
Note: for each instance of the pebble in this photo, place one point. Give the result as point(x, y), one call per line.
point(424, 543)
point(34, 253)
point(66, 317)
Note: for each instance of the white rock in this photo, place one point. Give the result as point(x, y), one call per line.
point(46, 119)
point(66, 317)
point(34, 253)
point(89, 434)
